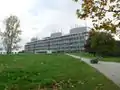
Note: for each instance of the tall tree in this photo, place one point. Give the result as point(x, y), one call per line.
point(11, 34)
point(100, 43)
point(105, 14)
point(87, 45)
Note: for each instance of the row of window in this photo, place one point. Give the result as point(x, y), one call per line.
point(57, 47)
point(53, 44)
point(69, 42)
point(60, 39)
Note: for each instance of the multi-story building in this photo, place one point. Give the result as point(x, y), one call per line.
point(57, 42)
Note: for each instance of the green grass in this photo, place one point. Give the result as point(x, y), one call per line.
point(31, 72)
point(90, 56)
point(112, 59)
point(83, 54)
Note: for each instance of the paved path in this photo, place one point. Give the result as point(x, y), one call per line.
point(109, 69)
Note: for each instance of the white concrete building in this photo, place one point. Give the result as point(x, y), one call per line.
point(72, 42)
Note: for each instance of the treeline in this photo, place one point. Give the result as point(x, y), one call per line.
point(102, 43)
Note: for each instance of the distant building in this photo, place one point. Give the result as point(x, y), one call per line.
point(60, 43)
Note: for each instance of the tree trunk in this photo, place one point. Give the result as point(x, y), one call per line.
point(8, 49)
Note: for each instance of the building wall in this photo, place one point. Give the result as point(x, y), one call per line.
point(68, 43)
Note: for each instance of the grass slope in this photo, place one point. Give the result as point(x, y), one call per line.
point(50, 72)
point(83, 54)
point(112, 59)
point(108, 59)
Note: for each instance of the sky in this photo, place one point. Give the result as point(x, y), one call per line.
point(40, 18)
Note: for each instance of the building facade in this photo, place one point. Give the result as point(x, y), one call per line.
point(72, 42)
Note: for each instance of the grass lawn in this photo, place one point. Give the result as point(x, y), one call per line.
point(48, 72)
point(112, 59)
point(83, 54)
point(108, 59)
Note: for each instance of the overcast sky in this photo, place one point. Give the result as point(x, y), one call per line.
point(39, 18)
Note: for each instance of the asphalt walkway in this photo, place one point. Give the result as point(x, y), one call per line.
point(109, 69)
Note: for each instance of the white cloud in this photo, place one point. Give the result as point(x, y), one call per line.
point(41, 17)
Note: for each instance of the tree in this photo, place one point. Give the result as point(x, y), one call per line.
point(99, 11)
point(87, 46)
point(11, 34)
point(100, 43)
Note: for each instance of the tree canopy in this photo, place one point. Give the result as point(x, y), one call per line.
point(100, 43)
point(105, 14)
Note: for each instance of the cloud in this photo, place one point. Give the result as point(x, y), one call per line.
point(19, 8)
point(41, 17)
